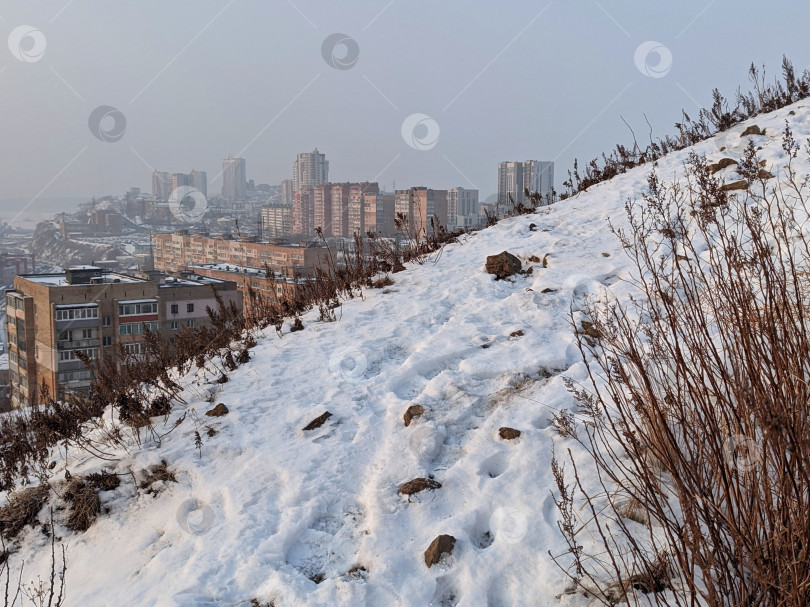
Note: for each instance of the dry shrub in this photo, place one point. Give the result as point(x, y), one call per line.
point(84, 505)
point(103, 481)
point(160, 472)
point(21, 510)
point(699, 401)
point(764, 98)
point(382, 282)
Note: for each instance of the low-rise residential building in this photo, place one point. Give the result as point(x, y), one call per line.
point(178, 251)
point(50, 318)
point(271, 288)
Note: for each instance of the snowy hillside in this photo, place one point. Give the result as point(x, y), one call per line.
point(289, 517)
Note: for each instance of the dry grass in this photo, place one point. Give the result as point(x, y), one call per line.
point(103, 481)
point(699, 401)
point(382, 282)
point(84, 505)
point(160, 472)
point(22, 510)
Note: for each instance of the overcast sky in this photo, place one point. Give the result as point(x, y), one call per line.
point(197, 80)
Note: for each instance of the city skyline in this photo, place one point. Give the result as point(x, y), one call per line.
point(485, 86)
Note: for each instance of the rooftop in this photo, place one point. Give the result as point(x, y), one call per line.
point(60, 280)
point(194, 281)
point(245, 271)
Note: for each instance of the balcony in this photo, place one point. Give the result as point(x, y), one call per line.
point(78, 344)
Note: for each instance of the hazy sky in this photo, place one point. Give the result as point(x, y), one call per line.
point(199, 79)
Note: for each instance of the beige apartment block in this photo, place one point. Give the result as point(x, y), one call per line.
point(179, 251)
point(51, 317)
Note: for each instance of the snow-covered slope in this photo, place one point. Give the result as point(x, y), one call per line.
point(267, 507)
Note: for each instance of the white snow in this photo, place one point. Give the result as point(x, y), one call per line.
point(268, 506)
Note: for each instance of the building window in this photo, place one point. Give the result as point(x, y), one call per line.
point(175, 308)
point(141, 309)
point(69, 355)
point(189, 307)
point(107, 321)
point(134, 349)
point(76, 314)
point(137, 328)
point(189, 323)
point(175, 325)
point(107, 340)
point(87, 333)
point(66, 336)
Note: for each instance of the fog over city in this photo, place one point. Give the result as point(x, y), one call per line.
point(198, 80)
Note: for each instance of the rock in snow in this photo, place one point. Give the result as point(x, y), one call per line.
point(442, 545)
point(503, 265)
point(218, 411)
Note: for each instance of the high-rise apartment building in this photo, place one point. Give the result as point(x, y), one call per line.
point(303, 213)
point(340, 208)
point(287, 192)
point(403, 203)
point(160, 185)
point(199, 181)
point(420, 205)
point(178, 180)
point(276, 221)
point(234, 179)
point(310, 169)
point(356, 214)
point(378, 214)
point(463, 208)
point(163, 184)
point(430, 209)
point(322, 208)
point(51, 317)
point(514, 178)
point(538, 176)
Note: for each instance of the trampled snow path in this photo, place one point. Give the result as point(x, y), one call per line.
point(268, 507)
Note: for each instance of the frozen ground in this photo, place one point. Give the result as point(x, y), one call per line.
point(268, 508)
